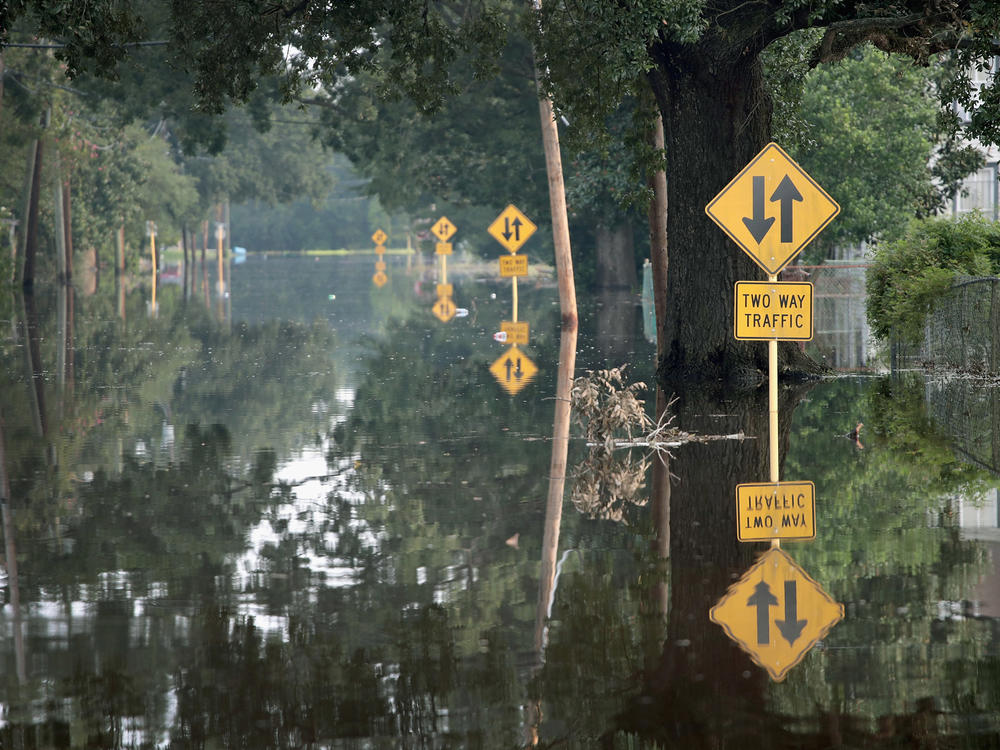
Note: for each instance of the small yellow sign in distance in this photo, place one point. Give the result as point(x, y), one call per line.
point(768, 510)
point(767, 310)
point(445, 290)
point(772, 208)
point(442, 248)
point(379, 237)
point(380, 249)
point(517, 332)
point(511, 228)
point(514, 265)
point(379, 279)
point(513, 370)
point(443, 229)
point(776, 613)
point(380, 265)
point(444, 309)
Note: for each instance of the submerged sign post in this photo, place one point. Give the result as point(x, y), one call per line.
point(514, 369)
point(772, 209)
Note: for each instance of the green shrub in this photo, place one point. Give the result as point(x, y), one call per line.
point(910, 273)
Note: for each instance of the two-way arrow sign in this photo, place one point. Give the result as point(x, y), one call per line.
point(744, 209)
point(775, 591)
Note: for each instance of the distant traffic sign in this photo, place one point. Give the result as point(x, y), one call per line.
point(379, 237)
point(513, 370)
point(380, 250)
point(444, 309)
point(379, 279)
point(772, 209)
point(775, 510)
point(512, 228)
point(445, 290)
point(443, 229)
point(776, 613)
point(442, 248)
point(773, 310)
point(380, 265)
point(514, 265)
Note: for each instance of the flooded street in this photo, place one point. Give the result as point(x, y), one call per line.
point(307, 514)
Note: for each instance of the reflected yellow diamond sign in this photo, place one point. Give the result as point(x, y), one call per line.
point(444, 309)
point(379, 237)
point(772, 209)
point(513, 370)
point(379, 279)
point(511, 228)
point(776, 613)
point(443, 229)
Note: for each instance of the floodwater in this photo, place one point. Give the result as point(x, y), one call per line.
point(307, 514)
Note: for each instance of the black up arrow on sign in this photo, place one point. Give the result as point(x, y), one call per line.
point(763, 600)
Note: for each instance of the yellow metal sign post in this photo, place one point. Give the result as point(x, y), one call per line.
point(772, 209)
point(444, 308)
point(514, 369)
point(767, 310)
point(380, 278)
point(776, 613)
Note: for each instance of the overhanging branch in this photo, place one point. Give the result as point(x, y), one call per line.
point(918, 35)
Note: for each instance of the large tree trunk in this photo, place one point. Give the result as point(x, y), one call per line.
point(616, 257)
point(716, 117)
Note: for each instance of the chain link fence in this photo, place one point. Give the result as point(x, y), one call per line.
point(841, 336)
point(962, 330)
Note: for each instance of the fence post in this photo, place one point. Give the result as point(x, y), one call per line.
point(994, 327)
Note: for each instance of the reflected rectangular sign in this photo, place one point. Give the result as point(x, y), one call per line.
point(442, 248)
point(766, 310)
point(514, 265)
point(517, 332)
point(769, 510)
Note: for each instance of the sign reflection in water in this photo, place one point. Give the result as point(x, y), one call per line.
point(309, 562)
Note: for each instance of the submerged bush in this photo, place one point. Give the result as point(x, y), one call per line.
point(910, 273)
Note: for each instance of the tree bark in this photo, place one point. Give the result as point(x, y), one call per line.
point(717, 117)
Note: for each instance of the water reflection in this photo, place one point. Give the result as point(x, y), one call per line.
point(284, 535)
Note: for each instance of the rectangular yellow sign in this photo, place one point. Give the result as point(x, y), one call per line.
point(767, 310)
point(514, 265)
point(445, 290)
point(442, 248)
point(765, 510)
point(517, 333)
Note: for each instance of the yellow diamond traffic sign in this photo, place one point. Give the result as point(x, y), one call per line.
point(513, 370)
point(773, 310)
point(379, 279)
point(444, 309)
point(772, 209)
point(443, 229)
point(379, 237)
point(511, 228)
point(776, 613)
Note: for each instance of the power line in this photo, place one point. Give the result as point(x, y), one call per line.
point(61, 45)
